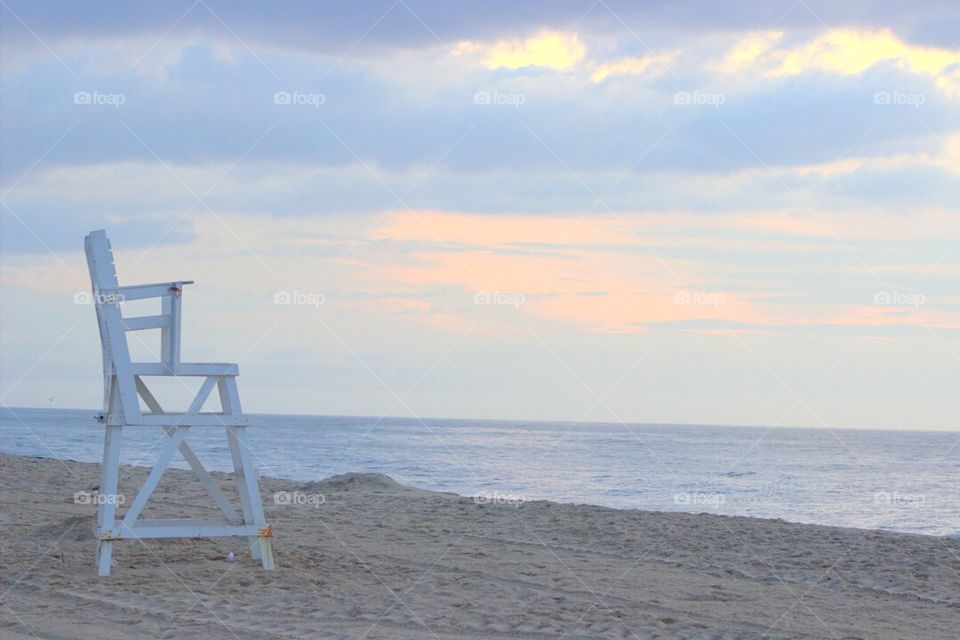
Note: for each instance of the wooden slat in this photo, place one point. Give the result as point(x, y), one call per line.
point(146, 322)
point(185, 369)
point(109, 478)
point(183, 528)
point(191, 420)
point(138, 292)
point(144, 291)
point(114, 340)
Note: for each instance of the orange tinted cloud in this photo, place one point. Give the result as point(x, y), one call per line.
point(599, 277)
point(501, 231)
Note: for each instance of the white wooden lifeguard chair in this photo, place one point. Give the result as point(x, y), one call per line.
point(123, 381)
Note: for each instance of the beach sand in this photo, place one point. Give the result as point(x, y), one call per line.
point(379, 560)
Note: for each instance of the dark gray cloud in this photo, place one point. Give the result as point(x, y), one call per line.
point(365, 25)
point(218, 112)
point(569, 142)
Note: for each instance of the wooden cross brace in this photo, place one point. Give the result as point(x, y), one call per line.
point(249, 523)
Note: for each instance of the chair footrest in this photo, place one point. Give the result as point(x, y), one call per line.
point(185, 369)
point(180, 528)
point(189, 420)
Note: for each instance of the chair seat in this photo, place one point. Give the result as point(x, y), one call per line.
point(185, 369)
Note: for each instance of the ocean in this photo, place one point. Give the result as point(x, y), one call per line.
point(903, 481)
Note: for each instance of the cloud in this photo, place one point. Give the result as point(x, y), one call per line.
point(780, 215)
point(498, 232)
point(374, 26)
point(749, 50)
point(651, 65)
point(624, 274)
point(147, 200)
point(846, 52)
point(405, 112)
point(549, 49)
point(787, 283)
point(852, 51)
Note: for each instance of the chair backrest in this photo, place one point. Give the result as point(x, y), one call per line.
point(118, 371)
point(103, 273)
point(103, 277)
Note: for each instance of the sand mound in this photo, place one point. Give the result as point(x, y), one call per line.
point(357, 481)
point(376, 483)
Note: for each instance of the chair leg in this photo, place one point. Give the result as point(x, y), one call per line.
point(243, 468)
point(266, 553)
point(242, 490)
point(249, 490)
point(107, 500)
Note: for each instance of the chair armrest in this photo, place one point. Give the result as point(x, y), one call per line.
point(168, 321)
point(144, 291)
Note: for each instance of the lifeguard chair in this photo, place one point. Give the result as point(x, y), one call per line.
point(123, 382)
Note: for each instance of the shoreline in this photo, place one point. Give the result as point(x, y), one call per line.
point(389, 561)
point(947, 536)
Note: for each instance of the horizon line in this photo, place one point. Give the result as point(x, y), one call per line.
point(546, 421)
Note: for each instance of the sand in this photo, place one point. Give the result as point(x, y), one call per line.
point(374, 559)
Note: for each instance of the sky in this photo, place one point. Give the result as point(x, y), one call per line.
point(701, 212)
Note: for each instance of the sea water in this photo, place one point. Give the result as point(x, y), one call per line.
point(905, 481)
